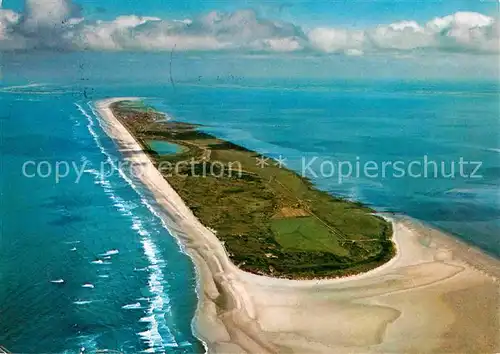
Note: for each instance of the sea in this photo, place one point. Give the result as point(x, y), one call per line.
point(86, 263)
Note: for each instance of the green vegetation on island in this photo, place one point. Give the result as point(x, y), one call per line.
point(271, 220)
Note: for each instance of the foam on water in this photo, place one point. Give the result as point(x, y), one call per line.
point(153, 211)
point(110, 253)
point(100, 261)
point(82, 302)
point(147, 319)
point(159, 334)
point(135, 306)
point(87, 343)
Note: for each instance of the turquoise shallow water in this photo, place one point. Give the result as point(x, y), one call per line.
point(127, 284)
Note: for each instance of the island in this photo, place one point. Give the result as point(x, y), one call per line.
point(285, 268)
point(271, 220)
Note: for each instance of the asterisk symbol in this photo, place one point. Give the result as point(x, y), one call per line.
point(280, 161)
point(262, 161)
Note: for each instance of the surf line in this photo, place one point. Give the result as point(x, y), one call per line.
point(160, 304)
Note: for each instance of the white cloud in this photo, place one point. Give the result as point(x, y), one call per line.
point(9, 39)
point(48, 14)
point(8, 18)
point(56, 24)
point(467, 31)
point(405, 35)
point(141, 33)
point(288, 44)
point(214, 31)
point(331, 40)
point(460, 32)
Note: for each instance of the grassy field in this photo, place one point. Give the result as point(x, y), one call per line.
point(306, 234)
point(271, 220)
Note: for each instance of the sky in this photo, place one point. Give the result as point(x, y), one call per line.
point(307, 12)
point(426, 37)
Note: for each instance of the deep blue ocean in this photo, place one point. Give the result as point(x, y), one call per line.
point(127, 285)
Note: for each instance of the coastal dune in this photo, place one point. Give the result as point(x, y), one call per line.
point(436, 295)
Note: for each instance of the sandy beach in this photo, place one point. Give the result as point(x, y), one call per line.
point(436, 295)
